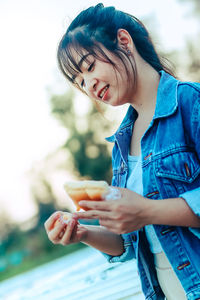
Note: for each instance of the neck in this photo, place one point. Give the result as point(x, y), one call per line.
point(144, 100)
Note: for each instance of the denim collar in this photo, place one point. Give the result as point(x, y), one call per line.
point(166, 103)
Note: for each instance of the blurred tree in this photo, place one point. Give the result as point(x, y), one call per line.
point(44, 199)
point(7, 232)
point(194, 60)
point(192, 45)
point(84, 153)
point(89, 153)
point(5, 225)
point(195, 6)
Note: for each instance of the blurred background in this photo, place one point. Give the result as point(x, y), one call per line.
point(50, 133)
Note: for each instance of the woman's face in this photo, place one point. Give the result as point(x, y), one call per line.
point(103, 82)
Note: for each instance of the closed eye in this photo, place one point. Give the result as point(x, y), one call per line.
point(82, 83)
point(91, 67)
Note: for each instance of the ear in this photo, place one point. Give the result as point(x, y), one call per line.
point(124, 40)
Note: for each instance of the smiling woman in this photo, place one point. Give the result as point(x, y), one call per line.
point(167, 18)
point(91, 47)
point(109, 55)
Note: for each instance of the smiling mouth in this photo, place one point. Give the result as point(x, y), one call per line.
point(103, 91)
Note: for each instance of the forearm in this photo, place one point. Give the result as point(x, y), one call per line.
point(174, 211)
point(103, 240)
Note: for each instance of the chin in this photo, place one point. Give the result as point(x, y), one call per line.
point(118, 103)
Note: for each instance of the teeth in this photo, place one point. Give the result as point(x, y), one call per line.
point(103, 91)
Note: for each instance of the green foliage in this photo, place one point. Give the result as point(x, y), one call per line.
point(63, 109)
point(89, 156)
point(192, 68)
point(44, 199)
point(195, 6)
point(23, 250)
point(89, 152)
point(30, 249)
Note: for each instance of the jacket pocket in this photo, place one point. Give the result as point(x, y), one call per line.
point(182, 166)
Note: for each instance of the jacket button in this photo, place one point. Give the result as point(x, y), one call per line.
point(134, 237)
point(147, 156)
point(165, 231)
point(187, 263)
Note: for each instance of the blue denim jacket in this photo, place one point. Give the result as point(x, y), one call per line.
point(171, 168)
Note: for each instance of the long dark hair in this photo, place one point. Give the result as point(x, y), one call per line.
point(99, 25)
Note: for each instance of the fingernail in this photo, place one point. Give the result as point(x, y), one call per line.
point(75, 216)
point(56, 216)
point(61, 221)
point(72, 223)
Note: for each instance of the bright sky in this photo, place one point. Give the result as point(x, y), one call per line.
point(30, 31)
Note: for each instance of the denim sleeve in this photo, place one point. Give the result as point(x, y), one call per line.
point(193, 197)
point(193, 200)
point(128, 254)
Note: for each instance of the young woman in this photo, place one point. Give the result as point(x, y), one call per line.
point(109, 55)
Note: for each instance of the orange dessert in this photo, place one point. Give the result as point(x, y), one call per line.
point(86, 190)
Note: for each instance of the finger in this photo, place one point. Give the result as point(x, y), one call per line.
point(68, 232)
point(61, 235)
point(74, 232)
point(94, 214)
point(51, 220)
point(54, 234)
point(96, 205)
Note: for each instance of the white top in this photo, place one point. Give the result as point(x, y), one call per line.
point(134, 183)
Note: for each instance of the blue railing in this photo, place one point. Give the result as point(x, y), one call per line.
point(82, 275)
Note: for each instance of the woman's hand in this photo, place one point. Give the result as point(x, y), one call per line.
point(61, 232)
point(128, 213)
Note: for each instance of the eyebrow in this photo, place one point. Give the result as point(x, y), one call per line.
point(82, 59)
point(80, 64)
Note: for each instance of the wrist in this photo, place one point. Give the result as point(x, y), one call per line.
point(159, 212)
point(151, 211)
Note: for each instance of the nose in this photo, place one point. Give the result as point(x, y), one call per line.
point(91, 84)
